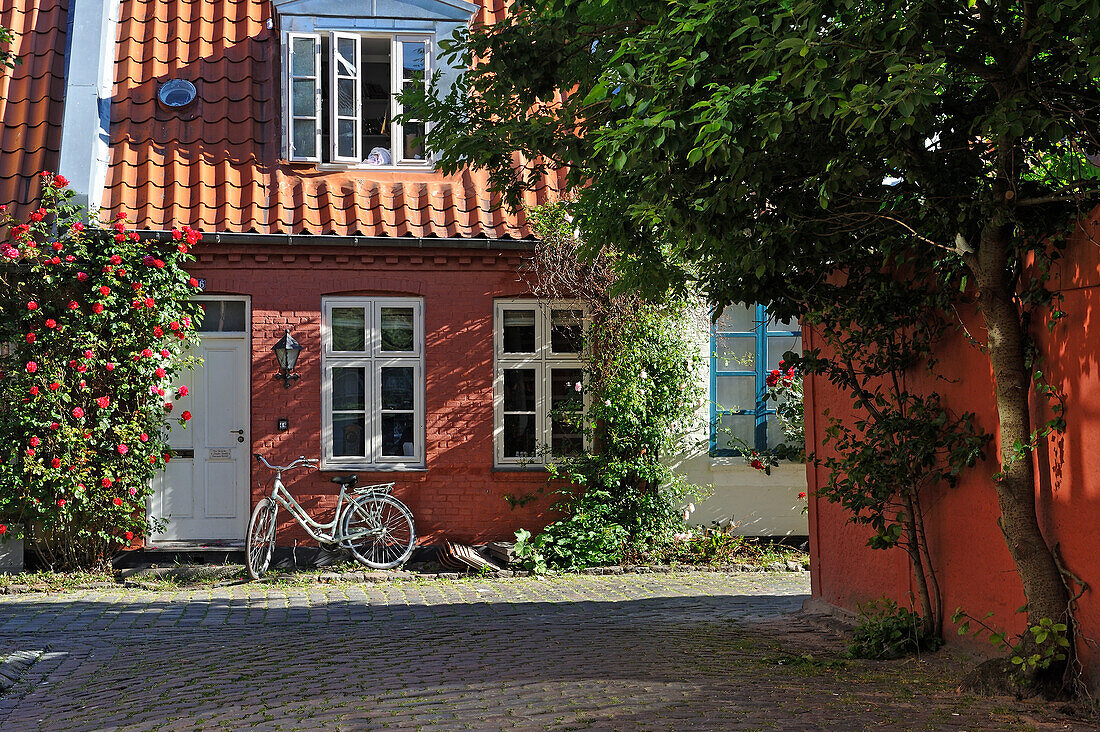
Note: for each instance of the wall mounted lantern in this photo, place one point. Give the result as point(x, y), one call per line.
point(286, 353)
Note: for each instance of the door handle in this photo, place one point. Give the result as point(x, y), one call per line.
point(236, 432)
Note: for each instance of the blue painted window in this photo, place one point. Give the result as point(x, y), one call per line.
point(745, 345)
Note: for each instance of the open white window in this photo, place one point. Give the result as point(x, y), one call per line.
point(342, 96)
point(538, 381)
point(373, 383)
point(304, 92)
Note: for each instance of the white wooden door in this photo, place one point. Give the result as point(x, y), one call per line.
point(203, 493)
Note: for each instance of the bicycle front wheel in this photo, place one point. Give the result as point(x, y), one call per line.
point(261, 538)
point(379, 531)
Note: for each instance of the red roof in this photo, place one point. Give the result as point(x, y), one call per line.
point(31, 96)
point(218, 167)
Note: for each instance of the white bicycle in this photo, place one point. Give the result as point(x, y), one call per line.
point(376, 528)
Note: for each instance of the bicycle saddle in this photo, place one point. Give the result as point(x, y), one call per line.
point(345, 480)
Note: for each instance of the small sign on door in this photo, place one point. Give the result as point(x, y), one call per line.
point(220, 453)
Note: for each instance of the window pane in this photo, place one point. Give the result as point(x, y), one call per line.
point(731, 426)
point(345, 97)
point(566, 401)
point(305, 138)
point(737, 318)
point(566, 330)
point(304, 61)
point(348, 329)
point(345, 138)
point(735, 353)
point(305, 98)
point(412, 59)
point(790, 324)
point(775, 432)
point(778, 345)
point(347, 434)
point(565, 389)
point(414, 142)
point(519, 331)
point(519, 435)
point(736, 392)
point(397, 329)
point(397, 435)
point(345, 56)
point(397, 388)
point(222, 316)
point(519, 390)
point(348, 389)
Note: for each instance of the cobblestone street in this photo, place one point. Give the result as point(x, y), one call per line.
point(664, 652)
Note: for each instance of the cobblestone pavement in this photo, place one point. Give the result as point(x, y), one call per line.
point(661, 652)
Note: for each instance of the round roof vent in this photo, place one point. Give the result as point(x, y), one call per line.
point(177, 93)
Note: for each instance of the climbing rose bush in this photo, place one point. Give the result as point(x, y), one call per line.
point(96, 327)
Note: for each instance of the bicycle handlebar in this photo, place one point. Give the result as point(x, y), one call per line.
point(302, 460)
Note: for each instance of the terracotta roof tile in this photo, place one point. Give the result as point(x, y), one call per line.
point(31, 97)
point(217, 166)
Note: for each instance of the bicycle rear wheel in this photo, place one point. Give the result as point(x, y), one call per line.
point(380, 530)
point(261, 538)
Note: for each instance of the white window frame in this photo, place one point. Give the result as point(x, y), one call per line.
point(373, 360)
point(542, 360)
point(288, 96)
point(357, 116)
point(330, 159)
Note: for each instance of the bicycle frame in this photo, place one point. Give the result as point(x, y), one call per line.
point(323, 532)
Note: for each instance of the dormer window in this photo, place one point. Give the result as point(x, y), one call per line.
point(341, 97)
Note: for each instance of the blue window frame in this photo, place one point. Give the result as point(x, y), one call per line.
point(745, 345)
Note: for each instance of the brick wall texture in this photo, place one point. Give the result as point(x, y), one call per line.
point(459, 496)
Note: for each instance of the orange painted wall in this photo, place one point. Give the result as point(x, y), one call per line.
point(968, 549)
point(459, 496)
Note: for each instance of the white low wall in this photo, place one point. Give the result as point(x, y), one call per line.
point(756, 504)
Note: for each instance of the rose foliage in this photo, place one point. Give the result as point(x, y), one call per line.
point(95, 331)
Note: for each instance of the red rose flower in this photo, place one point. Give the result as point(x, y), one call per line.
point(160, 373)
point(129, 535)
point(32, 305)
point(34, 391)
point(97, 308)
point(123, 449)
point(57, 246)
point(120, 237)
point(31, 337)
point(54, 386)
point(73, 305)
point(168, 406)
point(103, 402)
point(165, 353)
point(174, 325)
point(193, 282)
point(60, 501)
point(186, 415)
point(149, 302)
point(77, 226)
point(117, 501)
point(31, 367)
point(3, 529)
point(110, 367)
point(35, 442)
point(115, 259)
point(757, 464)
point(78, 412)
point(60, 181)
point(106, 482)
point(147, 352)
point(143, 437)
point(104, 290)
point(51, 323)
point(802, 495)
point(54, 426)
point(55, 463)
point(30, 452)
point(182, 391)
point(158, 331)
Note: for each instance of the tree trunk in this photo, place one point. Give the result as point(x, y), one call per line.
point(1044, 588)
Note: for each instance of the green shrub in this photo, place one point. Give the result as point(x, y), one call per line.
point(887, 630)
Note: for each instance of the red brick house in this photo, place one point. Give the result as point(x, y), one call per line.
point(268, 126)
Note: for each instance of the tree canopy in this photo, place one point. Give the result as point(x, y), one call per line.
point(800, 152)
